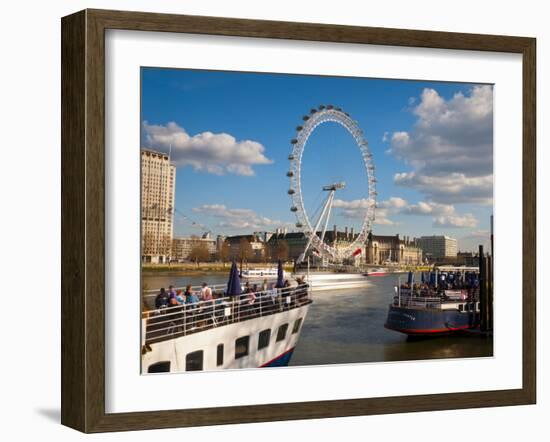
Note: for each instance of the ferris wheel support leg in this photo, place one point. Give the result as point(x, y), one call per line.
point(331, 199)
point(303, 255)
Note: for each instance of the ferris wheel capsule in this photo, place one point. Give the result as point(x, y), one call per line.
point(290, 174)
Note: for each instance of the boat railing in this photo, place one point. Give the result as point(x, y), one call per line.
point(151, 293)
point(171, 322)
point(432, 299)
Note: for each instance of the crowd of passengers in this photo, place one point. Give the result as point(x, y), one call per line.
point(204, 308)
point(250, 293)
point(424, 289)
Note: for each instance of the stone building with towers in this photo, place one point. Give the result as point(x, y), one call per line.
point(391, 249)
point(158, 183)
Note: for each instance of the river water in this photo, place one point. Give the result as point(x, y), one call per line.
point(347, 326)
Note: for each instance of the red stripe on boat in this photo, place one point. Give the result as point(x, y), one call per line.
point(278, 357)
point(418, 331)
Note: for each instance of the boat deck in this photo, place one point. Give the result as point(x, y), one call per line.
point(181, 320)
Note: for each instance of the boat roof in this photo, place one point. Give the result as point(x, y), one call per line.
point(457, 269)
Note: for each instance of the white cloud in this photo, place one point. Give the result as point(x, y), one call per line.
point(443, 215)
point(239, 218)
point(400, 139)
point(394, 202)
point(450, 188)
point(429, 208)
point(467, 220)
point(451, 141)
point(213, 153)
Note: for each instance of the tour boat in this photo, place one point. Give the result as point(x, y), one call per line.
point(320, 281)
point(242, 331)
point(377, 272)
point(432, 308)
point(262, 273)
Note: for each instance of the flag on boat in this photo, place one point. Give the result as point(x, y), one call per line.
point(234, 283)
point(280, 275)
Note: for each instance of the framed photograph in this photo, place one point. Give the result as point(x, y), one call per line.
point(254, 209)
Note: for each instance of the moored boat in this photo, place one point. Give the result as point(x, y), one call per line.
point(377, 272)
point(321, 281)
point(262, 273)
point(436, 307)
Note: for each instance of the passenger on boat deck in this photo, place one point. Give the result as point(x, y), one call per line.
point(190, 297)
point(206, 292)
point(180, 297)
point(162, 299)
point(172, 296)
point(272, 291)
point(264, 285)
point(171, 291)
point(251, 294)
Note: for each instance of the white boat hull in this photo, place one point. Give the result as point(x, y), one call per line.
point(335, 281)
point(276, 353)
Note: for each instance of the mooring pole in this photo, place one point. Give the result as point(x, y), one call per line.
point(482, 291)
point(492, 276)
point(490, 293)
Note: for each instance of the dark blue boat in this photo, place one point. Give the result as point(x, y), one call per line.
point(442, 303)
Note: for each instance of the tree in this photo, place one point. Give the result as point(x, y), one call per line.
point(199, 252)
point(245, 252)
point(279, 250)
point(224, 251)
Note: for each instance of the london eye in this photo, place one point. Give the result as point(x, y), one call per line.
point(310, 227)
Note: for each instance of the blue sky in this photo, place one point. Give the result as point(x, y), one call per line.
point(230, 134)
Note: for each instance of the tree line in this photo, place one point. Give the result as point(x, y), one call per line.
point(243, 251)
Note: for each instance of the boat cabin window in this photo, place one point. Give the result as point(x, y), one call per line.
point(281, 333)
point(219, 355)
point(263, 339)
point(159, 367)
point(241, 347)
point(296, 326)
point(194, 360)
point(460, 307)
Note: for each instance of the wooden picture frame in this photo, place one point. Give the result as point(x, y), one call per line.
point(83, 219)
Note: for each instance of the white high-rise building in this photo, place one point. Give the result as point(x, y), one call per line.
point(438, 246)
point(158, 183)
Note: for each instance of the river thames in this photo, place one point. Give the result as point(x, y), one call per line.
point(347, 326)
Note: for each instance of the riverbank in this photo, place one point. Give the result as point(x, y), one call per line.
point(191, 268)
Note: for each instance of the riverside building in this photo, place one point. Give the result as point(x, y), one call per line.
point(437, 247)
point(391, 249)
point(158, 181)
